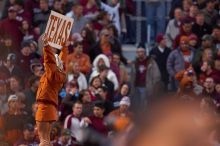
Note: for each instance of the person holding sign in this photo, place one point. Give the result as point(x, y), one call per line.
point(47, 95)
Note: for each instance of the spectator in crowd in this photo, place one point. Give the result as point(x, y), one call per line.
point(102, 96)
point(105, 46)
point(210, 13)
point(64, 139)
point(145, 77)
point(96, 121)
point(78, 56)
point(3, 97)
point(209, 88)
point(15, 84)
point(217, 95)
point(114, 38)
point(173, 26)
point(102, 60)
point(124, 91)
point(21, 13)
point(122, 114)
point(24, 58)
point(179, 59)
point(200, 28)
point(11, 27)
point(28, 32)
point(101, 21)
point(89, 39)
point(71, 96)
point(66, 6)
point(79, 20)
point(216, 36)
point(185, 30)
point(112, 8)
point(193, 11)
point(86, 100)
point(6, 47)
point(186, 4)
point(76, 75)
point(28, 136)
point(12, 130)
point(201, 54)
point(206, 71)
point(90, 9)
point(32, 6)
point(10, 66)
point(95, 83)
point(160, 54)
point(123, 73)
point(36, 67)
point(34, 50)
point(57, 6)
point(193, 41)
point(72, 122)
point(31, 92)
point(41, 17)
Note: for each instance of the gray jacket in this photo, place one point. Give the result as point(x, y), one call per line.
point(175, 61)
point(153, 77)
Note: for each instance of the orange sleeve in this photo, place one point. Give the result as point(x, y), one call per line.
point(49, 61)
point(179, 75)
point(85, 68)
point(63, 54)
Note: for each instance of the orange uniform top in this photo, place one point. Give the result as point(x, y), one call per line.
point(83, 60)
point(53, 78)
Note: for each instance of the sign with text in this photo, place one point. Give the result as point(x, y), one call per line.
point(58, 29)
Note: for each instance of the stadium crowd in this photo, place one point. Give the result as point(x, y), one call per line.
point(104, 90)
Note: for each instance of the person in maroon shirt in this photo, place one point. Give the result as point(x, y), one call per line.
point(11, 27)
point(21, 13)
point(96, 121)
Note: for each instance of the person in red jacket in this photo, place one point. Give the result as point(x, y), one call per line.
point(47, 95)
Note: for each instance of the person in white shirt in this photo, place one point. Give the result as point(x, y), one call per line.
point(72, 122)
point(75, 74)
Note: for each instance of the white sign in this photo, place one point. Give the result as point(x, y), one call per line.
point(58, 29)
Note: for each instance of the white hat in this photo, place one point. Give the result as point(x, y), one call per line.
point(12, 97)
point(125, 100)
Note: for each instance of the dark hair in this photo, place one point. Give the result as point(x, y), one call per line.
point(90, 35)
point(77, 102)
point(96, 77)
point(82, 93)
point(115, 31)
point(104, 88)
point(129, 87)
point(99, 104)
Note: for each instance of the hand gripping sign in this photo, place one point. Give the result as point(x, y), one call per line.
point(58, 29)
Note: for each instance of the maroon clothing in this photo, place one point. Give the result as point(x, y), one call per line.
point(11, 28)
point(141, 71)
point(177, 39)
point(24, 15)
point(24, 64)
point(86, 10)
point(216, 75)
point(32, 6)
point(98, 125)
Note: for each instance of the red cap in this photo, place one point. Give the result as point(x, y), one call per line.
point(159, 37)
